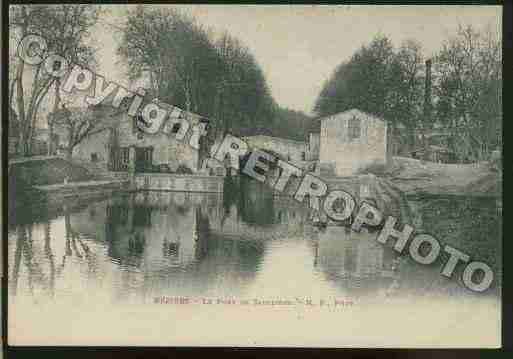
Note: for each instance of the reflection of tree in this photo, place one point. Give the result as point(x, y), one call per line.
point(254, 200)
point(136, 244)
point(73, 239)
point(123, 230)
point(35, 274)
point(21, 236)
point(25, 251)
point(202, 233)
point(50, 257)
point(353, 261)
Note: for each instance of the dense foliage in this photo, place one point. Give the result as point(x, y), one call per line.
point(466, 85)
point(217, 78)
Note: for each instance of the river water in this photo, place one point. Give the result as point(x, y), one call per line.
point(134, 250)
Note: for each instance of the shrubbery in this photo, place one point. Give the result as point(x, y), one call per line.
point(184, 170)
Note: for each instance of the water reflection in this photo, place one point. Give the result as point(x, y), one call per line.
point(243, 243)
point(354, 261)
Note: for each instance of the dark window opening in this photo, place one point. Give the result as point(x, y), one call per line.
point(56, 66)
point(176, 128)
point(125, 155)
point(94, 157)
point(354, 129)
point(173, 249)
point(138, 123)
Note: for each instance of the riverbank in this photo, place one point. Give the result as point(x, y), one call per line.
point(178, 182)
point(53, 179)
point(83, 189)
point(44, 170)
point(416, 177)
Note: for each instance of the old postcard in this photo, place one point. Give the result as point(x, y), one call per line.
point(250, 175)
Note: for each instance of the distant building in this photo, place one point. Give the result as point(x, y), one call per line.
point(350, 141)
point(313, 146)
point(291, 150)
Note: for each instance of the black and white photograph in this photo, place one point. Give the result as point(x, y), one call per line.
point(323, 176)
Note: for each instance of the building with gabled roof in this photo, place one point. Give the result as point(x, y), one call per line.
point(349, 142)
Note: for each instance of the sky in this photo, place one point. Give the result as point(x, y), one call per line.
point(298, 47)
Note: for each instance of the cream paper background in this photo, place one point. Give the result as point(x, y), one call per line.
point(474, 322)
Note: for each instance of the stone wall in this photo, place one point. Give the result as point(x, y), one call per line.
point(349, 155)
point(174, 182)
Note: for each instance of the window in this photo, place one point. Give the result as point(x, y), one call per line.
point(135, 125)
point(124, 155)
point(138, 122)
point(94, 157)
point(176, 128)
point(354, 129)
point(56, 66)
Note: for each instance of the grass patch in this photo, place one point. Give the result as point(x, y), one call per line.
point(47, 172)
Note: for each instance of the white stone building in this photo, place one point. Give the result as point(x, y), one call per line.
point(351, 141)
point(122, 143)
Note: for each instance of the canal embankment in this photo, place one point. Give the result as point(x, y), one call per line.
point(54, 179)
point(415, 177)
point(82, 189)
point(178, 182)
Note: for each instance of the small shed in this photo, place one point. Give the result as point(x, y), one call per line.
point(352, 141)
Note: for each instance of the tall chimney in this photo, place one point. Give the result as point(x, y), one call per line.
point(427, 93)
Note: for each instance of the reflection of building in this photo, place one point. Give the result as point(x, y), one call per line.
point(145, 226)
point(255, 213)
point(168, 237)
point(342, 252)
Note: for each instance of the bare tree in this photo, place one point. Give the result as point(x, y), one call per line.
point(469, 71)
point(81, 122)
point(404, 97)
point(66, 29)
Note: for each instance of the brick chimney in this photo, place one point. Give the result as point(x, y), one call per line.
point(427, 93)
